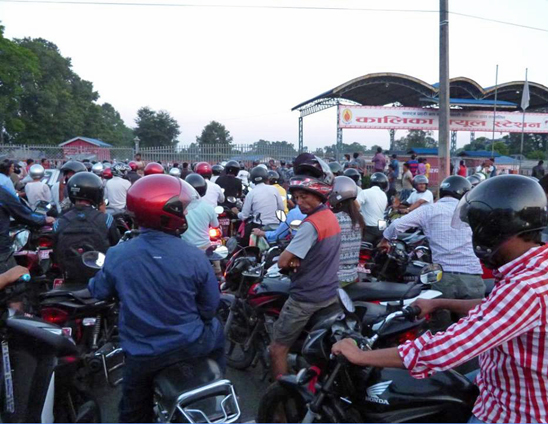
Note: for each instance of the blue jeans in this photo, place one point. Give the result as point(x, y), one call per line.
point(139, 372)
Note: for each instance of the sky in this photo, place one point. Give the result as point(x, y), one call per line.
point(246, 63)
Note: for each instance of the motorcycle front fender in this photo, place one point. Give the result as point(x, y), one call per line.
point(289, 382)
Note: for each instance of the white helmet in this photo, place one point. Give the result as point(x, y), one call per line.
point(36, 172)
point(175, 172)
point(97, 169)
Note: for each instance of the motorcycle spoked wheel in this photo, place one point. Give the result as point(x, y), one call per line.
point(238, 334)
point(77, 406)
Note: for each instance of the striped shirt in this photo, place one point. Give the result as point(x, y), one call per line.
point(351, 240)
point(451, 248)
point(508, 331)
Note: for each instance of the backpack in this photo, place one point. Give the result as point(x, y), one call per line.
point(80, 231)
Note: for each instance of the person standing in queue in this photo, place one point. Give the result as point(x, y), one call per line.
point(312, 257)
point(261, 203)
point(509, 329)
point(168, 293)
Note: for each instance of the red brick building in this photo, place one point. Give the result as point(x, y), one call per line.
point(86, 148)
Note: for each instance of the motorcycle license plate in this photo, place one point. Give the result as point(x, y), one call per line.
point(363, 270)
point(224, 221)
point(43, 254)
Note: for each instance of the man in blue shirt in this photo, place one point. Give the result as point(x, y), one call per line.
point(6, 169)
point(283, 229)
point(167, 290)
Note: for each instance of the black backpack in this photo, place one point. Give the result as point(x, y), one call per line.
point(80, 231)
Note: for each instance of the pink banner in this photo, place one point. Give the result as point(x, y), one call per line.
point(406, 118)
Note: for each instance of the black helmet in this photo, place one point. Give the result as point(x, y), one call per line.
point(500, 208)
point(273, 177)
point(420, 179)
point(474, 180)
point(455, 186)
point(282, 162)
point(198, 182)
point(88, 165)
point(380, 180)
point(344, 188)
point(232, 167)
point(259, 175)
point(85, 186)
point(217, 169)
point(73, 166)
point(354, 174)
point(336, 168)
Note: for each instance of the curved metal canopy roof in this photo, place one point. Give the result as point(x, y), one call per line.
point(385, 88)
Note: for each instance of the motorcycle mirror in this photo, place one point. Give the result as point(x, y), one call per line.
point(216, 253)
point(219, 210)
point(21, 239)
point(231, 199)
point(381, 224)
point(295, 224)
point(232, 244)
point(346, 302)
point(93, 259)
point(280, 214)
point(105, 201)
point(431, 273)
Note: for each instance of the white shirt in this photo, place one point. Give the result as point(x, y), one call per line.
point(36, 191)
point(116, 192)
point(214, 194)
point(373, 202)
point(265, 200)
point(214, 178)
point(244, 176)
point(414, 197)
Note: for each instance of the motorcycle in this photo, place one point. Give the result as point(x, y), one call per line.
point(333, 390)
point(40, 365)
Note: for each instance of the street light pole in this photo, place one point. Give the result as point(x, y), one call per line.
point(444, 150)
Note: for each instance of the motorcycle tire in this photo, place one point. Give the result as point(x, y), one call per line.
point(236, 336)
point(84, 409)
point(273, 407)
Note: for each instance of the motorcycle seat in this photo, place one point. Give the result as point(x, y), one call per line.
point(269, 227)
point(184, 376)
point(382, 291)
point(82, 295)
point(324, 317)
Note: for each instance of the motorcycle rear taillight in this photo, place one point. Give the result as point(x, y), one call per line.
point(55, 315)
point(408, 335)
point(45, 242)
point(215, 233)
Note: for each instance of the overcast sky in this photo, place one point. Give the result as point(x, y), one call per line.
point(247, 67)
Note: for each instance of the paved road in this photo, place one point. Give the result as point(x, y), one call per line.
point(249, 388)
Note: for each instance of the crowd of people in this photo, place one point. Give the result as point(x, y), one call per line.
point(169, 292)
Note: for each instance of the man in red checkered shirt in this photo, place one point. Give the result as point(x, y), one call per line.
point(509, 329)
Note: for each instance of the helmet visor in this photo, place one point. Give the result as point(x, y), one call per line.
point(460, 216)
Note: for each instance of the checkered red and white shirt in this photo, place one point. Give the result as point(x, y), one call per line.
point(509, 332)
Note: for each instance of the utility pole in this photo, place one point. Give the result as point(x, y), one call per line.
point(444, 151)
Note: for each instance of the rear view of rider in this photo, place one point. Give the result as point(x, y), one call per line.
point(83, 228)
point(261, 203)
point(116, 188)
point(373, 202)
point(232, 186)
point(214, 194)
point(312, 255)
point(167, 290)
point(59, 191)
point(132, 174)
point(36, 190)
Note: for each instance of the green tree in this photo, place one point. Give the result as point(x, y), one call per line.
point(537, 154)
point(331, 151)
point(18, 66)
point(105, 123)
point(214, 133)
point(156, 128)
point(416, 138)
point(501, 148)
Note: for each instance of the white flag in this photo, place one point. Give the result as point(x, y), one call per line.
point(525, 96)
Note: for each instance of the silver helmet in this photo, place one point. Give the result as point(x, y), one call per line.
point(97, 169)
point(175, 172)
point(36, 172)
point(344, 188)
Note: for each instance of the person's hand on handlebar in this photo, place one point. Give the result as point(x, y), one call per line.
point(258, 232)
point(427, 306)
point(12, 275)
point(384, 245)
point(349, 349)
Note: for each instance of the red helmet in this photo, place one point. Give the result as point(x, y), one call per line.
point(107, 173)
point(204, 169)
point(154, 168)
point(312, 174)
point(160, 202)
point(133, 165)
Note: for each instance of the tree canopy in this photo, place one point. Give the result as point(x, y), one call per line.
point(156, 128)
point(214, 133)
point(415, 138)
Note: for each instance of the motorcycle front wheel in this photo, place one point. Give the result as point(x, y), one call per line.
point(237, 336)
point(281, 405)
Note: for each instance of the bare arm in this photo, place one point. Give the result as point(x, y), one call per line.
point(288, 260)
point(375, 358)
point(458, 306)
point(12, 275)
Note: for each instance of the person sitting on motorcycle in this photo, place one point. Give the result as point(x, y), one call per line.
point(373, 202)
point(274, 181)
point(82, 228)
point(214, 194)
point(355, 175)
point(283, 229)
point(167, 290)
point(243, 174)
point(155, 168)
point(231, 185)
point(59, 191)
point(451, 248)
point(116, 189)
point(420, 196)
point(313, 256)
point(508, 330)
point(216, 170)
point(260, 204)
point(343, 203)
point(36, 190)
point(132, 174)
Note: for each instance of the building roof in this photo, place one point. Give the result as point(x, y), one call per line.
point(506, 160)
point(479, 154)
point(424, 151)
point(385, 88)
point(93, 141)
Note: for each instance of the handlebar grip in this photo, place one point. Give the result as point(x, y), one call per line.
point(412, 311)
point(24, 278)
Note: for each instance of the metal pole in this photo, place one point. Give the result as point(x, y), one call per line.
point(339, 136)
point(300, 134)
point(495, 111)
point(522, 128)
point(444, 90)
